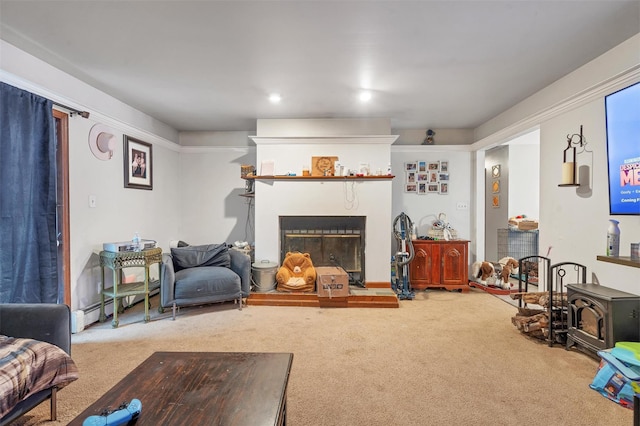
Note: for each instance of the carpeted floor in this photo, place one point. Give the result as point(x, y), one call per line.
point(444, 358)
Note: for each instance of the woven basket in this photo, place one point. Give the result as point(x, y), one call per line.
point(438, 234)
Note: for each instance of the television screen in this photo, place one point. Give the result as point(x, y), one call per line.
point(623, 150)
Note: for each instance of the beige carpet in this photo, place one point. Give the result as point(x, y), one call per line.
point(446, 358)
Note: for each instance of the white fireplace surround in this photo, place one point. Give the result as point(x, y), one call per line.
point(369, 198)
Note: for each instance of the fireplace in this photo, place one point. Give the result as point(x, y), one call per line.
point(601, 316)
point(330, 240)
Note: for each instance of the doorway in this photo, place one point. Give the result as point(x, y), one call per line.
point(512, 186)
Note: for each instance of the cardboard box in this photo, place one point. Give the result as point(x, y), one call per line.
point(332, 282)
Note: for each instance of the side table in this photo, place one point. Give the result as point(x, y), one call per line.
point(128, 259)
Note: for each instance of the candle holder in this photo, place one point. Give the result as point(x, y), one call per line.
point(569, 159)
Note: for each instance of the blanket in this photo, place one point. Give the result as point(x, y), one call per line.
point(28, 366)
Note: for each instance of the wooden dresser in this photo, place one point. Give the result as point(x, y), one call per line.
point(440, 264)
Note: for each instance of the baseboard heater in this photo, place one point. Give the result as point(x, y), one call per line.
point(79, 318)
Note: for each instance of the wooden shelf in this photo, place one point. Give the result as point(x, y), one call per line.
point(372, 177)
point(620, 260)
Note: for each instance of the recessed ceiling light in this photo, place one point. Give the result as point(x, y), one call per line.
point(275, 98)
point(365, 96)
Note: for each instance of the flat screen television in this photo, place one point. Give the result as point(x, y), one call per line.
point(623, 150)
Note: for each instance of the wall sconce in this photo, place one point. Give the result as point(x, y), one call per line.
point(102, 142)
point(569, 159)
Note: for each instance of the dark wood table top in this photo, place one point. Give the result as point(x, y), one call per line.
point(198, 388)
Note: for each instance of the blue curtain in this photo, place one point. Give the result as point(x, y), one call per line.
point(28, 246)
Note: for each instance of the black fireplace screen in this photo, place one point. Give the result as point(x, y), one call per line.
point(330, 240)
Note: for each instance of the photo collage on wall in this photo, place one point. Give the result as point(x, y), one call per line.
point(426, 177)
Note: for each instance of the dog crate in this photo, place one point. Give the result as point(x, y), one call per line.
point(517, 244)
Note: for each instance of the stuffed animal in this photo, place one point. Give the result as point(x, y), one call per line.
point(503, 278)
point(511, 263)
point(482, 271)
point(296, 273)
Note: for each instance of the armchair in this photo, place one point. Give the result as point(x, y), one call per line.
point(198, 275)
point(45, 322)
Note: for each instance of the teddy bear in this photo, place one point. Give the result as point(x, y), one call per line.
point(296, 273)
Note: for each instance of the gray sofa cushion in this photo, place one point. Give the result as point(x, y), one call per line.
point(206, 281)
point(203, 255)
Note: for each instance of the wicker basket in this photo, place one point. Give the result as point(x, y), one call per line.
point(438, 234)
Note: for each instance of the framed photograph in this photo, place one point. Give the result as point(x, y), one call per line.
point(410, 187)
point(411, 177)
point(422, 166)
point(432, 188)
point(422, 188)
point(433, 166)
point(433, 177)
point(495, 186)
point(444, 166)
point(443, 176)
point(138, 164)
point(411, 166)
point(423, 177)
point(444, 187)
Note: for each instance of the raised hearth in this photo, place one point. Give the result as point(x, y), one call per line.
point(358, 298)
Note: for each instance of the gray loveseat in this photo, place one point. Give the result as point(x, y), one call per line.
point(198, 275)
point(49, 323)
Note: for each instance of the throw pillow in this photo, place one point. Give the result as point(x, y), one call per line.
point(203, 255)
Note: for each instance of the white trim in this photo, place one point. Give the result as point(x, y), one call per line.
point(610, 85)
point(208, 149)
point(431, 148)
point(326, 140)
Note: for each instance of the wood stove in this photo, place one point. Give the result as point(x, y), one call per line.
point(601, 316)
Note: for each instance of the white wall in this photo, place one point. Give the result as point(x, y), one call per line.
point(211, 209)
point(524, 175)
point(576, 226)
point(424, 209)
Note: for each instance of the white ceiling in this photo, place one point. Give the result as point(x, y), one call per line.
point(210, 65)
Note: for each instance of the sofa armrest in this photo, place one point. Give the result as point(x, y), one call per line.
point(47, 322)
point(241, 265)
point(167, 281)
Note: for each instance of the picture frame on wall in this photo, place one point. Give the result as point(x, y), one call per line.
point(422, 188)
point(444, 166)
point(138, 164)
point(433, 188)
point(422, 166)
point(433, 166)
point(444, 187)
point(411, 177)
point(411, 166)
point(411, 187)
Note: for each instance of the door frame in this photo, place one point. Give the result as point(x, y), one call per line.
point(62, 202)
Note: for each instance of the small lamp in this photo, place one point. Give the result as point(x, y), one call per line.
point(569, 154)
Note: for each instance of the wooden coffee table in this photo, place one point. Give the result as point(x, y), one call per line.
point(197, 388)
